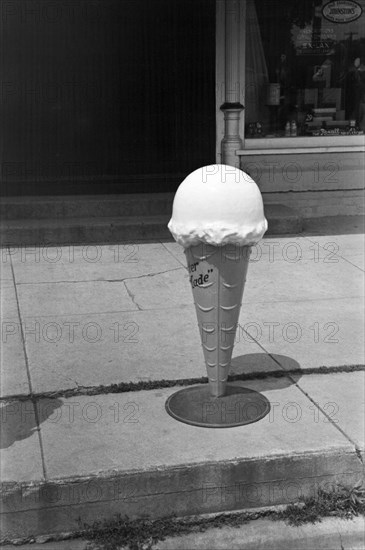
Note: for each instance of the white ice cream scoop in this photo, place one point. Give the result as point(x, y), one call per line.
point(218, 205)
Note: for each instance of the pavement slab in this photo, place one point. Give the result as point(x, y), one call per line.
point(274, 281)
point(357, 260)
point(20, 447)
point(176, 250)
point(122, 453)
point(162, 291)
point(266, 282)
point(13, 372)
point(9, 304)
point(349, 247)
point(94, 350)
point(311, 248)
point(284, 281)
point(309, 334)
point(93, 316)
point(275, 274)
point(82, 298)
point(92, 333)
point(13, 369)
point(6, 273)
point(342, 397)
point(132, 431)
point(274, 278)
point(90, 262)
point(295, 249)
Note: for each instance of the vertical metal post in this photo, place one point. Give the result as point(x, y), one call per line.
point(232, 106)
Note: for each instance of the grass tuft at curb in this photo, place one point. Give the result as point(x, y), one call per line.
point(121, 533)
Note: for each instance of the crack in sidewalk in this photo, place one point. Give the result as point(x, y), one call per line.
point(103, 280)
point(132, 297)
point(142, 276)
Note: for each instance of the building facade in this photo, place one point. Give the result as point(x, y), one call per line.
point(124, 96)
point(293, 95)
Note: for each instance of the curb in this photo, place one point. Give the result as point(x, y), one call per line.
point(64, 505)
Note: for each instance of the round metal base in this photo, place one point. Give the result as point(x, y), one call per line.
point(196, 406)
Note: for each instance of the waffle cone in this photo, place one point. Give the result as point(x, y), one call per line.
point(217, 276)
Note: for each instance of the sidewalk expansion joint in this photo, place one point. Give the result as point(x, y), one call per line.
point(171, 254)
point(335, 254)
point(150, 385)
point(290, 373)
point(329, 419)
point(32, 398)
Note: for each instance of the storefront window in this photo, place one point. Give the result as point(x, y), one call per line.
point(305, 68)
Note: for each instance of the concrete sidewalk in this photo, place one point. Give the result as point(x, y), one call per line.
point(86, 329)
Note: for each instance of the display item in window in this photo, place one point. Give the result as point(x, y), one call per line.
point(314, 70)
point(355, 91)
point(283, 73)
point(254, 129)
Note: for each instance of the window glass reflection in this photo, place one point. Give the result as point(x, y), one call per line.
point(305, 68)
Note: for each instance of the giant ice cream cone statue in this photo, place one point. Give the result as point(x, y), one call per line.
point(222, 273)
point(217, 216)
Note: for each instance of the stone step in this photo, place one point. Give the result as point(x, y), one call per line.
point(85, 206)
point(84, 230)
point(108, 229)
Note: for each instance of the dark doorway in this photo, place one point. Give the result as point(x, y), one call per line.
point(106, 96)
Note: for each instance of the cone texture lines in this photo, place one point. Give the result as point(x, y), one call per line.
point(217, 276)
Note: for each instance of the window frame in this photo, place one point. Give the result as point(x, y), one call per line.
point(275, 145)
